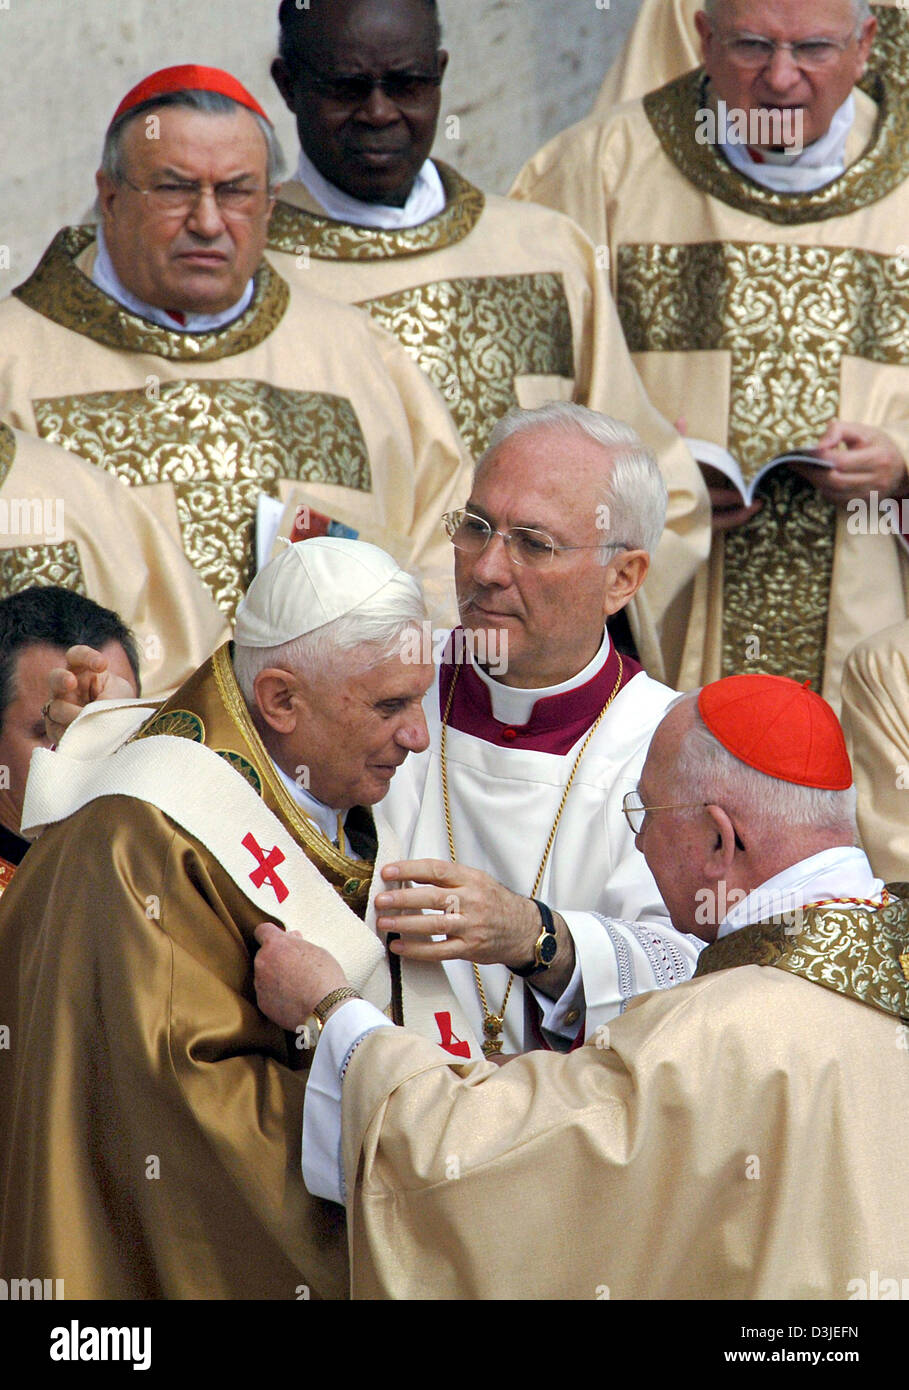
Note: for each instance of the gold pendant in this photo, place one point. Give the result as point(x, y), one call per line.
point(492, 1027)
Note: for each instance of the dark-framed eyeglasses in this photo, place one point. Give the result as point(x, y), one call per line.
point(237, 202)
point(754, 51)
point(524, 544)
point(355, 89)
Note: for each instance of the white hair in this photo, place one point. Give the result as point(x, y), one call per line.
point(708, 773)
point(374, 631)
point(634, 493)
point(860, 8)
point(212, 104)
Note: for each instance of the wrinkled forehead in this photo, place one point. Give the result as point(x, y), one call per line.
point(795, 17)
point(162, 134)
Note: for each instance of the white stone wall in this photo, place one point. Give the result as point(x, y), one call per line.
point(520, 71)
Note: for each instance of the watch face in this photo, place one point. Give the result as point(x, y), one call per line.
point(546, 949)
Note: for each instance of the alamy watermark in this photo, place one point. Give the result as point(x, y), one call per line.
point(426, 644)
point(761, 127)
point(27, 516)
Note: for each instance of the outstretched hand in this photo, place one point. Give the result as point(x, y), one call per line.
point(85, 678)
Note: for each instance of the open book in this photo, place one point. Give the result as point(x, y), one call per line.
point(718, 457)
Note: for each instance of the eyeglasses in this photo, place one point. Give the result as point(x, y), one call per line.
point(355, 89)
point(635, 810)
point(752, 51)
point(525, 545)
point(237, 202)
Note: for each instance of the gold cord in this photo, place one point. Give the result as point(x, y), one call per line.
point(494, 1023)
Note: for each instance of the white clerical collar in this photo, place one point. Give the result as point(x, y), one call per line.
point(816, 165)
point(107, 279)
point(841, 872)
point(325, 818)
point(511, 705)
point(427, 199)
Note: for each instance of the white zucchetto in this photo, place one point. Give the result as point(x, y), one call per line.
point(313, 582)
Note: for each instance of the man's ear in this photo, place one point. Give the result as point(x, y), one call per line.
point(107, 192)
point(277, 695)
point(627, 572)
point(280, 75)
point(866, 39)
point(722, 852)
point(705, 32)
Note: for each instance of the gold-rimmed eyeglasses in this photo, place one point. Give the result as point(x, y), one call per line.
point(237, 202)
point(755, 51)
point(635, 810)
point(524, 544)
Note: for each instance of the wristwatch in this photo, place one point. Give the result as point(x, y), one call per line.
point(545, 946)
point(324, 1005)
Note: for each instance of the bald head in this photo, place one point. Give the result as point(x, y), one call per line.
point(715, 9)
point(723, 822)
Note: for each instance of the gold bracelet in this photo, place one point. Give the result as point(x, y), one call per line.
point(324, 1005)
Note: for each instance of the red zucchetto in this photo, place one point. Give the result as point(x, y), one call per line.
point(192, 78)
point(778, 727)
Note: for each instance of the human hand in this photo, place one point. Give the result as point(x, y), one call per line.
point(727, 510)
point(292, 975)
point(865, 460)
point(482, 921)
point(85, 678)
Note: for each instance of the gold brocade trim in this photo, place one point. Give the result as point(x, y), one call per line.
point(243, 767)
point(786, 316)
point(777, 573)
point(672, 112)
point(173, 723)
point(22, 566)
point(474, 337)
point(352, 870)
point(58, 289)
point(294, 230)
point(889, 55)
point(852, 950)
point(218, 445)
point(7, 451)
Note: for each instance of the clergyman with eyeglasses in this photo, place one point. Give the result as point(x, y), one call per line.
point(763, 285)
point(500, 305)
point(513, 816)
point(161, 345)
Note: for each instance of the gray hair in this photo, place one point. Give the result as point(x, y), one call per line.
point(860, 8)
point(375, 631)
point(634, 493)
point(707, 772)
point(212, 104)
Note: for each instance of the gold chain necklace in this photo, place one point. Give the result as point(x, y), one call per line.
point(494, 1023)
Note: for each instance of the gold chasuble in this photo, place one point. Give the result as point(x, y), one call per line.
point(876, 725)
point(759, 317)
point(149, 1114)
point(664, 43)
point(741, 1136)
point(299, 399)
point(65, 522)
point(502, 306)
